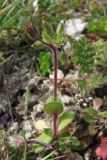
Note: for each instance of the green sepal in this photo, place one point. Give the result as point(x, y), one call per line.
point(53, 106)
point(38, 44)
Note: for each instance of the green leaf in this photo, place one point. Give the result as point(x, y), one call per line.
point(59, 29)
point(47, 38)
point(103, 114)
point(52, 106)
point(45, 137)
point(48, 29)
point(74, 142)
point(89, 118)
point(82, 84)
point(65, 119)
point(90, 111)
point(38, 44)
point(44, 63)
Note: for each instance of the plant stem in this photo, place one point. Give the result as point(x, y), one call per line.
point(55, 125)
point(55, 65)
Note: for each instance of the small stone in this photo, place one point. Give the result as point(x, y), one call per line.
point(14, 127)
point(60, 75)
point(27, 126)
point(28, 135)
point(90, 98)
point(66, 99)
point(40, 108)
point(85, 104)
point(40, 125)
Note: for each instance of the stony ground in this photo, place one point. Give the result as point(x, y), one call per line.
point(21, 87)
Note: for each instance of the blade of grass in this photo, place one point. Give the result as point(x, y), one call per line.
point(45, 158)
point(4, 10)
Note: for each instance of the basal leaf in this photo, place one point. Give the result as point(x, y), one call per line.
point(45, 137)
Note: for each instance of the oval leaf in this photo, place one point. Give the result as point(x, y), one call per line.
point(38, 44)
point(65, 119)
point(45, 137)
point(53, 106)
point(47, 38)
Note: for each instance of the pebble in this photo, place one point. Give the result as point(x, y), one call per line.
point(66, 99)
point(14, 127)
point(90, 98)
point(60, 75)
point(85, 104)
point(39, 108)
point(28, 135)
point(40, 125)
point(27, 126)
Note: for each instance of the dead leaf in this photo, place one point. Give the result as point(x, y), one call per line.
point(97, 103)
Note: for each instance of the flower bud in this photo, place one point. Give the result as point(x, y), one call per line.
point(31, 32)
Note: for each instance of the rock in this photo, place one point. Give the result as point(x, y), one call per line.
point(90, 98)
point(28, 135)
point(85, 104)
point(40, 125)
point(39, 107)
point(74, 26)
point(60, 75)
point(66, 99)
point(97, 103)
point(14, 127)
point(27, 126)
point(46, 85)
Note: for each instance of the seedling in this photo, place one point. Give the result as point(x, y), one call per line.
point(53, 105)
